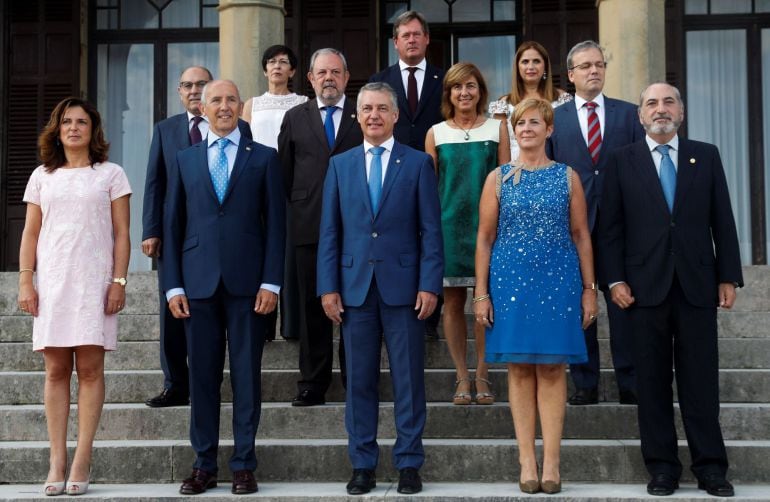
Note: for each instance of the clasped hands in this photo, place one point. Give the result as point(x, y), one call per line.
point(265, 303)
point(332, 304)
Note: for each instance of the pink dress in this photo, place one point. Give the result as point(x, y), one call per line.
point(74, 254)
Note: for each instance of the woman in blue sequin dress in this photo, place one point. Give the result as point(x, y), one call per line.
point(535, 286)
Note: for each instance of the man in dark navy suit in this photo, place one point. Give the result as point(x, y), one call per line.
point(670, 257)
point(380, 268)
point(224, 244)
point(585, 132)
point(418, 87)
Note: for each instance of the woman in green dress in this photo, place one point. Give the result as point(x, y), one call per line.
point(465, 148)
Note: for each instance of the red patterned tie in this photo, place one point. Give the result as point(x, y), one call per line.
point(594, 131)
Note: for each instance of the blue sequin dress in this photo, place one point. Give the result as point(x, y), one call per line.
point(534, 274)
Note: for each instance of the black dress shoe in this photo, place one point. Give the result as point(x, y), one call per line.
point(243, 482)
point(662, 484)
point(361, 482)
point(584, 396)
point(716, 485)
point(198, 482)
point(169, 397)
point(308, 398)
point(409, 481)
point(627, 397)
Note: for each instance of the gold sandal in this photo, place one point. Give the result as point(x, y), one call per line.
point(461, 398)
point(485, 398)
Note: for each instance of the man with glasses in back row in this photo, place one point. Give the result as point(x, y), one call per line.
point(586, 130)
point(169, 137)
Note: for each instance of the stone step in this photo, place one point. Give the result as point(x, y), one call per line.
point(26, 387)
point(472, 460)
point(282, 421)
point(386, 490)
point(734, 353)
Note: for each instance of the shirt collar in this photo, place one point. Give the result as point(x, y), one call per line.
point(387, 144)
point(234, 137)
point(190, 116)
point(340, 104)
point(599, 100)
point(421, 65)
point(652, 144)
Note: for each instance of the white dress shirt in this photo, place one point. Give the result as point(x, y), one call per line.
point(337, 117)
point(582, 112)
point(673, 152)
point(419, 75)
point(203, 125)
point(231, 150)
point(384, 157)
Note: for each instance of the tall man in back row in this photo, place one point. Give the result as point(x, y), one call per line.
point(585, 132)
point(418, 88)
point(670, 257)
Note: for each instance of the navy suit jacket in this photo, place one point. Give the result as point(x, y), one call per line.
point(304, 152)
point(399, 245)
point(412, 129)
point(566, 145)
point(239, 242)
point(642, 243)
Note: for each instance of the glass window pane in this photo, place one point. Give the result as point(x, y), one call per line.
point(180, 56)
point(181, 14)
point(124, 99)
point(730, 6)
point(106, 19)
point(210, 17)
point(761, 6)
point(138, 14)
point(696, 7)
point(392, 11)
point(766, 122)
point(435, 11)
point(493, 56)
point(471, 10)
point(716, 66)
point(107, 3)
point(505, 10)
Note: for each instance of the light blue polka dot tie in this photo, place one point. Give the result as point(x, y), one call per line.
point(219, 170)
point(667, 175)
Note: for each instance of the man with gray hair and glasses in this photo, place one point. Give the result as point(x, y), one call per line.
point(585, 132)
point(310, 134)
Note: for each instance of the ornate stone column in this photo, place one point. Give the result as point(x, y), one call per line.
point(246, 29)
point(633, 35)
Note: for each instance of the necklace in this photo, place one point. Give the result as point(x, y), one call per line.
point(466, 131)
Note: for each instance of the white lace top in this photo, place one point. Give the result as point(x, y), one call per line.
point(267, 113)
point(503, 107)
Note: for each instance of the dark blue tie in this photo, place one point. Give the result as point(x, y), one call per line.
point(329, 125)
point(667, 175)
point(375, 176)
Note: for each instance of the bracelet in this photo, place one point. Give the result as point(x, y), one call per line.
point(477, 299)
point(592, 286)
point(26, 270)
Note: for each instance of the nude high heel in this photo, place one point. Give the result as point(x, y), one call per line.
point(53, 488)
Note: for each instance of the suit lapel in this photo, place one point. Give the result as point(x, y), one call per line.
point(396, 82)
point(203, 166)
point(685, 171)
point(394, 168)
point(315, 122)
point(181, 133)
point(573, 131)
point(241, 159)
point(610, 116)
point(430, 84)
point(360, 183)
point(648, 175)
point(347, 120)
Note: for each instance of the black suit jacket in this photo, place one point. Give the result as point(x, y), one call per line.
point(642, 243)
point(567, 145)
point(411, 129)
point(304, 154)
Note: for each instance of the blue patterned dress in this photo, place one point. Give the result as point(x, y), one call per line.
point(534, 274)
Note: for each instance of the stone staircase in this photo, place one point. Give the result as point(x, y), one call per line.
point(143, 453)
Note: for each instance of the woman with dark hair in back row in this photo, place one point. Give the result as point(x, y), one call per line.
point(72, 276)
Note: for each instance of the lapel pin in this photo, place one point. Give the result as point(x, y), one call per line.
point(398, 161)
point(248, 148)
point(352, 115)
point(435, 76)
point(692, 161)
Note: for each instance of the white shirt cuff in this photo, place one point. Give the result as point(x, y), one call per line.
point(173, 292)
point(613, 284)
point(270, 287)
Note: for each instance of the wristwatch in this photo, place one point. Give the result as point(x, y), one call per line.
point(119, 280)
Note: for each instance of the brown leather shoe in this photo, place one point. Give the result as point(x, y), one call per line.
point(244, 482)
point(198, 482)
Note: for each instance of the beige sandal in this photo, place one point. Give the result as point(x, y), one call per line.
point(485, 398)
point(462, 398)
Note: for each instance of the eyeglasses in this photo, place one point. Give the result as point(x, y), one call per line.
point(189, 85)
point(600, 65)
point(282, 62)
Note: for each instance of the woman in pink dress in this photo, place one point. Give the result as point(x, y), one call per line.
point(72, 276)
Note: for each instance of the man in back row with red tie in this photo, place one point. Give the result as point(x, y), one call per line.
point(586, 131)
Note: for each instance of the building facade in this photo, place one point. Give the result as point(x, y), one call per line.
point(126, 56)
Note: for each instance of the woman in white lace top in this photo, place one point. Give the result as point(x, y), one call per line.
point(531, 79)
point(265, 113)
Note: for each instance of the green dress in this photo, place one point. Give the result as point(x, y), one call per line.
point(463, 165)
